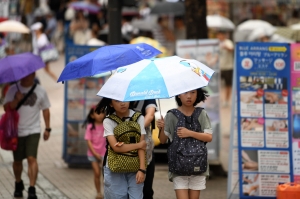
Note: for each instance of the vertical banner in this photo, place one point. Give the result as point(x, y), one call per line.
point(295, 89)
point(80, 96)
point(233, 168)
point(207, 52)
point(263, 106)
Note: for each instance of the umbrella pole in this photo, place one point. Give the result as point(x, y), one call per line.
point(17, 86)
point(159, 107)
point(160, 116)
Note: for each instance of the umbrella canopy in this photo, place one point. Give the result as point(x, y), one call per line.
point(156, 79)
point(13, 26)
point(15, 67)
point(251, 29)
point(106, 59)
point(172, 8)
point(151, 42)
point(219, 22)
point(85, 6)
point(295, 26)
point(254, 24)
point(288, 33)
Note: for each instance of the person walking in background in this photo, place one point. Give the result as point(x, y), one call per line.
point(79, 28)
point(188, 186)
point(28, 129)
point(148, 108)
point(51, 25)
point(96, 145)
point(121, 184)
point(226, 64)
point(40, 40)
point(164, 35)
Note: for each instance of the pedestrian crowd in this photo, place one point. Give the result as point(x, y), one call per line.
point(118, 134)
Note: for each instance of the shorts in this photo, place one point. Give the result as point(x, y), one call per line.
point(93, 159)
point(27, 146)
point(190, 182)
point(227, 76)
point(120, 185)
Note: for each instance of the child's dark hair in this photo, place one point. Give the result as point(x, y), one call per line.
point(89, 119)
point(104, 106)
point(201, 97)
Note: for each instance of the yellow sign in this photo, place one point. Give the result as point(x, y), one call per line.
point(277, 49)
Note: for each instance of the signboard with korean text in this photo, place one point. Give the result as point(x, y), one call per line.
point(263, 119)
point(295, 103)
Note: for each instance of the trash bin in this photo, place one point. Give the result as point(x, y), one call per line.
point(288, 191)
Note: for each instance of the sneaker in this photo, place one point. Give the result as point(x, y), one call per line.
point(19, 187)
point(99, 196)
point(31, 193)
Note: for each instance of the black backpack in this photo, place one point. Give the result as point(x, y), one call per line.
point(187, 156)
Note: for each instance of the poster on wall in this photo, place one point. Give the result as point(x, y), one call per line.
point(263, 104)
point(207, 52)
point(295, 89)
point(80, 97)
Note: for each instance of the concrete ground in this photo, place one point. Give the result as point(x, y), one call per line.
point(56, 180)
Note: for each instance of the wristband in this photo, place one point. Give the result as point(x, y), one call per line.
point(48, 129)
point(143, 171)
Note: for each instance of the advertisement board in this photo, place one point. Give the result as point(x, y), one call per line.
point(263, 119)
point(295, 103)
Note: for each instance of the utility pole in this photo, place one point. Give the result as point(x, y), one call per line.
point(195, 19)
point(115, 18)
point(114, 21)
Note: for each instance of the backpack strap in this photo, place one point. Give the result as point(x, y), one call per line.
point(135, 116)
point(115, 118)
point(26, 97)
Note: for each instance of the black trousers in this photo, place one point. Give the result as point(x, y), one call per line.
point(147, 190)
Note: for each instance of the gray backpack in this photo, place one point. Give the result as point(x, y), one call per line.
point(187, 156)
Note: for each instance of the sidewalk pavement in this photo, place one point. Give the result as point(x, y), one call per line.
point(57, 181)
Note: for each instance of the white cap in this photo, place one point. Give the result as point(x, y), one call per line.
point(36, 26)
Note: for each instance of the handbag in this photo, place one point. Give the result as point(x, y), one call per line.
point(9, 125)
point(49, 53)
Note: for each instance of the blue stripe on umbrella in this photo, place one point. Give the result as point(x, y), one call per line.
point(152, 74)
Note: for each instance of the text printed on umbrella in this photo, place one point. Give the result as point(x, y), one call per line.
point(144, 52)
point(145, 93)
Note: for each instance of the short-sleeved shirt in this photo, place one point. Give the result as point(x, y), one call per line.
point(226, 56)
point(142, 106)
point(170, 127)
point(109, 126)
point(29, 112)
point(96, 137)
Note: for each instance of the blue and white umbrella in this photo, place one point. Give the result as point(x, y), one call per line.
point(156, 79)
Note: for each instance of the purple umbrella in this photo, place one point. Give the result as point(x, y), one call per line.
point(86, 6)
point(15, 67)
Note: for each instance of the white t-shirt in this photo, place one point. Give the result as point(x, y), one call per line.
point(29, 121)
point(109, 124)
point(38, 43)
point(226, 56)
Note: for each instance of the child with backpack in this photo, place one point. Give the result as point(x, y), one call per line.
point(125, 164)
point(96, 145)
point(188, 129)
